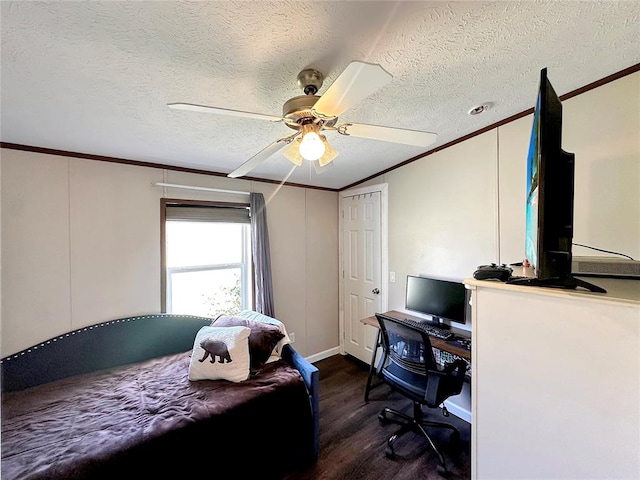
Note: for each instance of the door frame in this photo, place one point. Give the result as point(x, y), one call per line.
point(384, 247)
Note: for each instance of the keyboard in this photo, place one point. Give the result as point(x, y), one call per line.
point(438, 332)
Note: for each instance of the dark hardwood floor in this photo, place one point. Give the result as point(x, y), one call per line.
point(352, 439)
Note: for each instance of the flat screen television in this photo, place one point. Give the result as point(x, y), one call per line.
point(441, 299)
point(549, 197)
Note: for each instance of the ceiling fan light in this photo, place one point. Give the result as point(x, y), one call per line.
point(292, 152)
point(311, 146)
point(329, 152)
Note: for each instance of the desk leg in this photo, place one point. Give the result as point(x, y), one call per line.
point(372, 369)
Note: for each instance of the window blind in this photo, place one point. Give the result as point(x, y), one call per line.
point(191, 213)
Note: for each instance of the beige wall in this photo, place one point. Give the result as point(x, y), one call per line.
point(36, 286)
point(80, 239)
point(81, 244)
point(115, 241)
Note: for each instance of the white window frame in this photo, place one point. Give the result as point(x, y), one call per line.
point(245, 265)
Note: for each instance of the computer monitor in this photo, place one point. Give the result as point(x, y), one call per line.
point(549, 197)
point(441, 299)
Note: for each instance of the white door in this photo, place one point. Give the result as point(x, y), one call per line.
point(362, 250)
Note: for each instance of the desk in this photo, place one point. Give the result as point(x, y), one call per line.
point(444, 345)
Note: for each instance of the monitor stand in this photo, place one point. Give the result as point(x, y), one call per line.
point(436, 322)
point(566, 282)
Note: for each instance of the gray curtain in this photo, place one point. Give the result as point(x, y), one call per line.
point(261, 257)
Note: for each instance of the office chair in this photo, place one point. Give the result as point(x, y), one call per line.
point(410, 369)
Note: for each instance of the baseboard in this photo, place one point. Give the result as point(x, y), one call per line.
point(322, 355)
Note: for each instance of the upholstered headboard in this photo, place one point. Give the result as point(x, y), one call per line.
point(104, 345)
point(125, 341)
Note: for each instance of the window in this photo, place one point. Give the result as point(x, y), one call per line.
point(206, 258)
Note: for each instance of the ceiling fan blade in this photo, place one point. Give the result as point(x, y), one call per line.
point(258, 158)
point(388, 134)
point(222, 111)
point(354, 84)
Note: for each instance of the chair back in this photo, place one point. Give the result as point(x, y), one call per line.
point(410, 365)
point(406, 344)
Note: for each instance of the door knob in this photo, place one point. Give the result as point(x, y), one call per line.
point(375, 291)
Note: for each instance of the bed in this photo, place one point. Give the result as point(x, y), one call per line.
point(117, 399)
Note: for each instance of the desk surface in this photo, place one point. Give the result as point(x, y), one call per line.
point(446, 345)
point(620, 291)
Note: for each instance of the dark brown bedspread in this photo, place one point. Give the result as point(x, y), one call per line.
point(149, 417)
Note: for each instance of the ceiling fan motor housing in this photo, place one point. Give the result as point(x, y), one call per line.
point(310, 81)
point(297, 111)
point(298, 108)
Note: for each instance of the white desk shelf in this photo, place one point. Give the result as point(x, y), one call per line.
point(555, 381)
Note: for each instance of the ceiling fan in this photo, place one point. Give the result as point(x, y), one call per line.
point(311, 115)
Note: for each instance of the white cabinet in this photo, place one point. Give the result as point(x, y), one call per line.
point(555, 381)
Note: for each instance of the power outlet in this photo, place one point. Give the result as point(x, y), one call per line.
point(292, 337)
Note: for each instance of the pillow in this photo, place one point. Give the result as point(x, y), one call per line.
point(262, 339)
point(220, 353)
point(260, 317)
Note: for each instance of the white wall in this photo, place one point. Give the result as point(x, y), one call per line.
point(443, 214)
point(81, 244)
point(464, 206)
point(602, 128)
point(604, 133)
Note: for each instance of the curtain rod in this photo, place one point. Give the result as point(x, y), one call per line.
point(206, 189)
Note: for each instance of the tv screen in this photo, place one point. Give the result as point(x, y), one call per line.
point(550, 177)
point(549, 197)
point(443, 299)
point(531, 229)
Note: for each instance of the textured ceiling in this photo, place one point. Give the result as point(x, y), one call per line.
point(95, 77)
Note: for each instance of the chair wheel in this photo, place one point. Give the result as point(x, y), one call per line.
point(383, 419)
point(388, 452)
point(442, 471)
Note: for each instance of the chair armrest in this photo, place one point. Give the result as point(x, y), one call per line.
point(459, 367)
point(442, 384)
